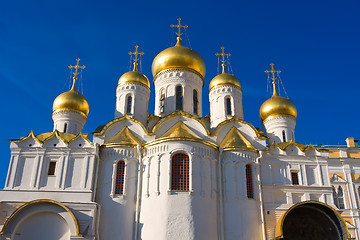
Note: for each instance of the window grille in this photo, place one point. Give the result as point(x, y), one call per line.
point(196, 101)
point(120, 175)
point(162, 100)
point(294, 178)
point(249, 182)
point(179, 98)
point(51, 169)
point(180, 172)
point(228, 106)
point(129, 103)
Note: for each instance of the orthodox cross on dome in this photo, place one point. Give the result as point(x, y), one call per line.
point(272, 71)
point(179, 26)
point(223, 54)
point(76, 67)
point(136, 53)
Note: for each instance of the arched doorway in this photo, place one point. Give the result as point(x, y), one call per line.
point(42, 226)
point(312, 221)
point(41, 219)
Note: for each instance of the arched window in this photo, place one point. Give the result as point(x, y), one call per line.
point(162, 100)
point(128, 105)
point(228, 106)
point(180, 172)
point(249, 182)
point(65, 127)
point(284, 136)
point(179, 98)
point(120, 175)
point(338, 197)
point(196, 101)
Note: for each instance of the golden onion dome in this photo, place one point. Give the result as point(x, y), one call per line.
point(178, 57)
point(277, 105)
point(71, 100)
point(224, 79)
point(134, 77)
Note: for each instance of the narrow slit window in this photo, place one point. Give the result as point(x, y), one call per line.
point(249, 182)
point(65, 127)
point(294, 178)
point(51, 169)
point(196, 101)
point(162, 100)
point(284, 136)
point(129, 103)
point(120, 175)
point(228, 107)
point(180, 172)
point(179, 98)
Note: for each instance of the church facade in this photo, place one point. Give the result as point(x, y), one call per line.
point(175, 174)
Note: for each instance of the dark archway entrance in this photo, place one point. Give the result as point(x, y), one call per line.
point(313, 221)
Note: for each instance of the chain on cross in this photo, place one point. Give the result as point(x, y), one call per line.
point(76, 68)
point(136, 53)
point(223, 54)
point(179, 26)
point(272, 71)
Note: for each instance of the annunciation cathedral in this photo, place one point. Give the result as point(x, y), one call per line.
point(174, 174)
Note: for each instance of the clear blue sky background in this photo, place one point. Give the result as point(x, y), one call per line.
point(316, 45)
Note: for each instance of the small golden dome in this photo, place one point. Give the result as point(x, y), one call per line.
point(277, 105)
point(178, 57)
point(134, 77)
point(71, 100)
point(224, 79)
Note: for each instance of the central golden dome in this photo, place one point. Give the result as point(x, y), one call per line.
point(71, 100)
point(178, 57)
point(277, 105)
point(224, 79)
point(134, 77)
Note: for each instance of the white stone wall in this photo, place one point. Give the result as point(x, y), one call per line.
point(217, 97)
point(171, 78)
point(74, 120)
point(275, 125)
point(167, 214)
point(140, 101)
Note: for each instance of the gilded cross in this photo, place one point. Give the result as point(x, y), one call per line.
point(76, 67)
point(136, 53)
point(179, 26)
point(223, 54)
point(273, 72)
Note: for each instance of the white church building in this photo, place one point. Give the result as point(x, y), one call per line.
point(176, 174)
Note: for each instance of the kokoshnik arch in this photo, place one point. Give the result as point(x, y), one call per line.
point(176, 174)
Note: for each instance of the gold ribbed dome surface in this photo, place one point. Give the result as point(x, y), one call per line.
point(277, 105)
point(224, 79)
point(178, 57)
point(134, 77)
point(71, 100)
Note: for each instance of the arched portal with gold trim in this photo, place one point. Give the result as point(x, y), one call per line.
point(311, 220)
point(42, 219)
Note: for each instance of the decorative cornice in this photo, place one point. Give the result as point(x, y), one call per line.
point(178, 69)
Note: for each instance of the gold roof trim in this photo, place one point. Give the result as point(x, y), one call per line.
point(235, 140)
point(279, 234)
point(180, 112)
point(179, 130)
point(234, 118)
point(43, 137)
point(284, 145)
point(165, 139)
point(25, 205)
point(117, 120)
point(125, 137)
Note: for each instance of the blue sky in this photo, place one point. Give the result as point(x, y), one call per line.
point(316, 45)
